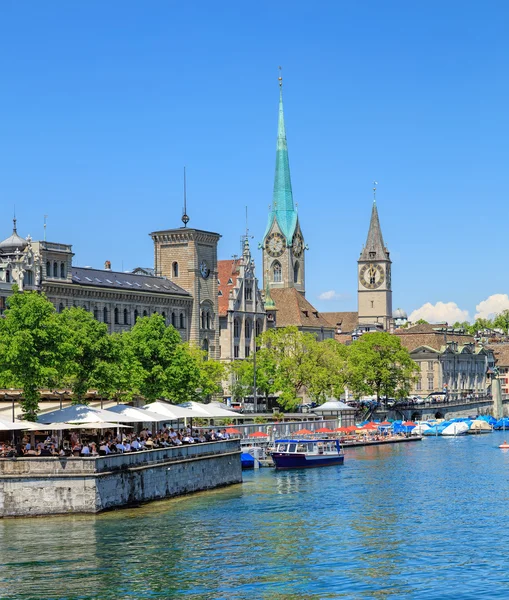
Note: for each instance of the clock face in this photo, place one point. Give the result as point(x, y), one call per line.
point(275, 244)
point(204, 269)
point(297, 245)
point(372, 276)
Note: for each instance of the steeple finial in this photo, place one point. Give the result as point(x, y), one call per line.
point(185, 217)
point(14, 229)
point(375, 183)
point(280, 78)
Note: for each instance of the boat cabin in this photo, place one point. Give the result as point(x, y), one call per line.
point(317, 447)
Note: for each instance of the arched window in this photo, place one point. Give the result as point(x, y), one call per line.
point(247, 327)
point(55, 269)
point(96, 313)
point(175, 269)
point(48, 269)
point(276, 272)
point(126, 317)
point(144, 313)
point(236, 328)
point(105, 315)
point(258, 327)
point(116, 316)
point(208, 320)
point(62, 270)
point(29, 277)
point(163, 315)
point(173, 319)
point(60, 307)
point(136, 315)
point(182, 325)
point(203, 319)
point(8, 276)
point(296, 273)
point(205, 347)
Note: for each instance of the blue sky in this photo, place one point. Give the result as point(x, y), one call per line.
point(103, 103)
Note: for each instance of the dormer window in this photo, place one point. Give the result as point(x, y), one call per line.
point(230, 281)
point(305, 313)
point(372, 255)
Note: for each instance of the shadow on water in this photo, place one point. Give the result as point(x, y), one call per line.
point(408, 521)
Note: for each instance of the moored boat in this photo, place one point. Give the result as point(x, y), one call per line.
point(303, 454)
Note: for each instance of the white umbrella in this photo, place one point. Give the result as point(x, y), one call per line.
point(16, 426)
point(333, 406)
point(103, 425)
point(210, 411)
point(80, 413)
point(135, 415)
point(170, 412)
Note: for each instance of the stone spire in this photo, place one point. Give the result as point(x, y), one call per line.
point(282, 209)
point(375, 241)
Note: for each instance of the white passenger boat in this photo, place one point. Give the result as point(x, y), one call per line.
point(303, 454)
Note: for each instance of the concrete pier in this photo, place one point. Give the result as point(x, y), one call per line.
point(35, 486)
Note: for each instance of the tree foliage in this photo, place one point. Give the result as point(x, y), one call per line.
point(40, 348)
point(379, 364)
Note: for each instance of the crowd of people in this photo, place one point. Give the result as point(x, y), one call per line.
point(111, 443)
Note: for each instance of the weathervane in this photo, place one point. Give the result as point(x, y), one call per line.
point(185, 217)
point(375, 183)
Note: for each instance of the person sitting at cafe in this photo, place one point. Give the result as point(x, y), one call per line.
point(85, 451)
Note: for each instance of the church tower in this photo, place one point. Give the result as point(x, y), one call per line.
point(374, 277)
point(283, 243)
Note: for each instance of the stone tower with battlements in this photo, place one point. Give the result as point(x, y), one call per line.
point(189, 258)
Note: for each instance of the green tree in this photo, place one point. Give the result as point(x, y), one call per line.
point(379, 364)
point(31, 347)
point(501, 321)
point(421, 322)
point(86, 348)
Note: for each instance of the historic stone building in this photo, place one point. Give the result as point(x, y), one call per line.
point(449, 361)
point(188, 257)
point(114, 297)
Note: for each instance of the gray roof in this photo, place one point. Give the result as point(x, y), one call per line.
point(375, 240)
point(14, 241)
point(125, 281)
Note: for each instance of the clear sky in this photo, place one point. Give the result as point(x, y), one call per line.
point(103, 103)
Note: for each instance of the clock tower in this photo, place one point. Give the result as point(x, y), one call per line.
point(283, 245)
point(374, 277)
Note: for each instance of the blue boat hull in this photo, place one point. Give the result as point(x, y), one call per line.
point(247, 460)
point(301, 461)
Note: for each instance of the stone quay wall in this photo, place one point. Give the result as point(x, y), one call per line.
point(35, 486)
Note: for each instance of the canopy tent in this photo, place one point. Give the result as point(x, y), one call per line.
point(169, 412)
point(258, 434)
point(103, 425)
point(333, 407)
point(137, 415)
point(80, 413)
point(303, 432)
point(324, 430)
point(232, 430)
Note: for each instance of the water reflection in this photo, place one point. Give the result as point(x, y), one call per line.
point(405, 521)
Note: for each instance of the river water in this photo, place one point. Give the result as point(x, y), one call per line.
point(419, 520)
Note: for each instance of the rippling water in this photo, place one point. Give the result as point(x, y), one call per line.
point(420, 520)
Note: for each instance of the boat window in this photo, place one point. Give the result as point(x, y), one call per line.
point(320, 448)
point(291, 447)
point(282, 447)
point(302, 447)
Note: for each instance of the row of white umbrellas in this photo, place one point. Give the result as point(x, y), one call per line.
point(88, 417)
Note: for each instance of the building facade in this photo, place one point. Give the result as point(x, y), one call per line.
point(113, 297)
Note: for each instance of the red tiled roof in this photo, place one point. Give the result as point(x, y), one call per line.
point(294, 309)
point(227, 270)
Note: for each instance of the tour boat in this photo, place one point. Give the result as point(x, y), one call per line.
point(302, 454)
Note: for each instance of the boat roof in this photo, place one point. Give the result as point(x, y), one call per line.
point(303, 441)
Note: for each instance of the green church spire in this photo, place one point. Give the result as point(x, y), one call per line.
point(282, 209)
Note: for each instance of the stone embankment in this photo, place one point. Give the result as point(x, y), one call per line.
point(35, 486)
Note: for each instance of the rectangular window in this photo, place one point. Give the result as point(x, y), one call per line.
point(235, 352)
point(430, 384)
point(246, 351)
point(418, 385)
point(430, 365)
